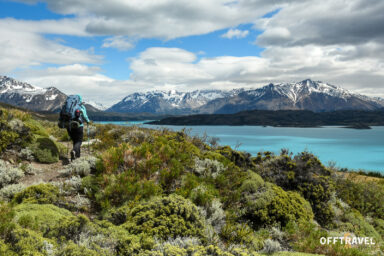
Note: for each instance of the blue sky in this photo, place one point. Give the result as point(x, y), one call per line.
point(106, 50)
point(115, 63)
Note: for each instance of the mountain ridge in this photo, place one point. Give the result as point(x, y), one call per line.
point(310, 95)
point(35, 98)
point(305, 95)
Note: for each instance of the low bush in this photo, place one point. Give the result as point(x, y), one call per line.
point(208, 167)
point(214, 215)
point(13, 132)
point(5, 249)
point(379, 226)
point(305, 237)
point(167, 248)
point(271, 246)
point(8, 192)
point(303, 173)
point(203, 194)
point(27, 242)
point(39, 217)
point(81, 166)
point(27, 154)
point(45, 150)
point(366, 197)
point(354, 222)
point(6, 216)
point(72, 249)
point(240, 234)
point(70, 228)
point(165, 217)
point(267, 204)
point(40, 194)
point(9, 174)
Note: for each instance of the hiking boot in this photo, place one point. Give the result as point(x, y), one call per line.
point(73, 155)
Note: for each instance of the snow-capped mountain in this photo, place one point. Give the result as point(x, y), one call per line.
point(168, 101)
point(31, 97)
point(95, 106)
point(309, 95)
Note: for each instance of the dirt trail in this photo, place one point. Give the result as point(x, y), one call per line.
point(49, 172)
point(44, 173)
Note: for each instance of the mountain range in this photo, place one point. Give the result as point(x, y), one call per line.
point(305, 95)
point(34, 98)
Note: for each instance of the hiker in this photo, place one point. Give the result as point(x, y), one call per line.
point(72, 117)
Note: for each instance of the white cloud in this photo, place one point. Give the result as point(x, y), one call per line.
point(333, 22)
point(119, 42)
point(78, 79)
point(235, 33)
point(165, 19)
point(21, 46)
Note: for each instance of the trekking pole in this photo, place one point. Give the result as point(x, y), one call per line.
point(88, 138)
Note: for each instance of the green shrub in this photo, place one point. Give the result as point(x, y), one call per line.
point(241, 159)
point(165, 217)
point(303, 173)
point(125, 187)
point(72, 249)
point(36, 127)
point(41, 194)
point(379, 226)
point(319, 193)
point(45, 150)
point(243, 235)
point(354, 222)
point(305, 237)
point(81, 166)
point(9, 174)
point(13, 133)
point(6, 137)
point(366, 197)
point(5, 249)
point(124, 242)
point(6, 216)
point(170, 249)
point(271, 246)
point(203, 194)
point(39, 217)
point(69, 228)
point(27, 242)
point(267, 204)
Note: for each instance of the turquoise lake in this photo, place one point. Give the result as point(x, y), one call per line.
point(348, 148)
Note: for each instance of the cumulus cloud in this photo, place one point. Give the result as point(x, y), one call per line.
point(78, 79)
point(119, 42)
point(237, 33)
point(329, 23)
point(21, 46)
point(165, 19)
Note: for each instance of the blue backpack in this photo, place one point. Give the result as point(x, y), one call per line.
point(70, 114)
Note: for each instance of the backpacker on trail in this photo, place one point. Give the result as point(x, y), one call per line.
point(72, 116)
point(72, 113)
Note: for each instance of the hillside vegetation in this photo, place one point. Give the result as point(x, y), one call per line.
point(139, 191)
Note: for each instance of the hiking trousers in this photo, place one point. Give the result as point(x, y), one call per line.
point(76, 135)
